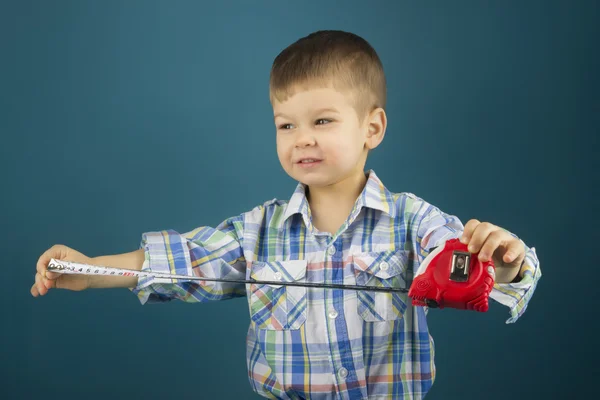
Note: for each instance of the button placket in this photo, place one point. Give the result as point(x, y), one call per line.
point(337, 318)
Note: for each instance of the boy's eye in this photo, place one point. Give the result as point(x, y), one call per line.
point(323, 121)
point(285, 126)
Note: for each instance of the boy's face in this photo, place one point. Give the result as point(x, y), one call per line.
point(320, 140)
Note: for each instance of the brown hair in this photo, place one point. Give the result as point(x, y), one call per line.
point(341, 59)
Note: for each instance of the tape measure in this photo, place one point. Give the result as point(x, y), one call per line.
point(68, 267)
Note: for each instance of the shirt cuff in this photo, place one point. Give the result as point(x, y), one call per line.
point(516, 296)
point(165, 252)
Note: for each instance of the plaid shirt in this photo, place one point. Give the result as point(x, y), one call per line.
point(324, 343)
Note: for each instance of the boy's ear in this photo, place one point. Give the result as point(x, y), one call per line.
point(376, 123)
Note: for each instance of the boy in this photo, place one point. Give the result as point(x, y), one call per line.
point(341, 226)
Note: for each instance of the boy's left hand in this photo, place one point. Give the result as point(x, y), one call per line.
point(491, 241)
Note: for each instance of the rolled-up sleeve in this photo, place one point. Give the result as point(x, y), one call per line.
point(204, 252)
point(435, 227)
point(516, 296)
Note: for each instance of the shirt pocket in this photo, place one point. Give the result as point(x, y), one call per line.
point(381, 269)
point(278, 307)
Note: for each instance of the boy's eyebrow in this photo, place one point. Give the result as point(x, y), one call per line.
point(279, 115)
point(327, 109)
point(319, 111)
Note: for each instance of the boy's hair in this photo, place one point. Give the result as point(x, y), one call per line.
point(325, 58)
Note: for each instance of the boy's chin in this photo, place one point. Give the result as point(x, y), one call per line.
point(321, 177)
point(315, 180)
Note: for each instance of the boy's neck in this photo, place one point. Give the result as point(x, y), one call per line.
point(331, 205)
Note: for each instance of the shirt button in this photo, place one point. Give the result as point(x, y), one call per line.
point(277, 276)
point(331, 251)
point(384, 266)
point(333, 314)
point(342, 373)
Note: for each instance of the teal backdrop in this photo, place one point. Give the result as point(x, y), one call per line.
point(121, 117)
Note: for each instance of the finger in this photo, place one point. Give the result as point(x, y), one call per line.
point(49, 283)
point(40, 286)
point(34, 291)
point(52, 275)
point(43, 261)
point(56, 251)
point(515, 250)
point(468, 231)
point(479, 237)
point(494, 240)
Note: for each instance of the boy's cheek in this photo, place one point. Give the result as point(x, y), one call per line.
point(283, 155)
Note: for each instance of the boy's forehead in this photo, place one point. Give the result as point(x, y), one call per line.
point(302, 99)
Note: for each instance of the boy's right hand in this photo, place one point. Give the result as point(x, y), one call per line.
point(46, 280)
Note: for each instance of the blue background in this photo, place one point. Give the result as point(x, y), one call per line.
point(120, 117)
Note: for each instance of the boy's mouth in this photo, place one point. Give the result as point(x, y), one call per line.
point(308, 162)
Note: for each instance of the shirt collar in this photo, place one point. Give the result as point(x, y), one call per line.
point(374, 195)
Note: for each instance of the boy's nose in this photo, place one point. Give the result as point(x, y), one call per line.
point(305, 139)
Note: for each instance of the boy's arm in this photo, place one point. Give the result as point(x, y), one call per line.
point(435, 227)
point(210, 252)
point(206, 251)
point(46, 280)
